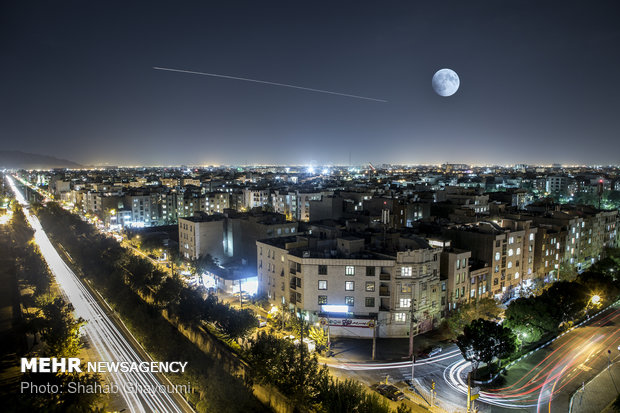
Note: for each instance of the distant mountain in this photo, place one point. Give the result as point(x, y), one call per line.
point(23, 160)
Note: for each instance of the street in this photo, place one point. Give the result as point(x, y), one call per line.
point(541, 382)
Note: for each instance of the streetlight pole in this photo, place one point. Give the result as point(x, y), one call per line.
point(412, 320)
point(374, 339)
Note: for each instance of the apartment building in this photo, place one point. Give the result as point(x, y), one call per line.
point(365, 285)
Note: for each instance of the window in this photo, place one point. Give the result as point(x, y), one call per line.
point(400, 317)
point(510, 252)
point(405, 288)
point(370, 271)
point(349, 270)
point(405, 302)
point(497, 268)
point(322, 284)
point(516, 275)
point(406, 271)
point(322, 269)
point(349, 286)
point(349, 300)
point(532, 237)
point(322, 299)
point(509, 264)
point(458, 278)
point(370, 286)
point(518, 251)
point(464, 262)
point(497, 256)
point(458, 264)
point(370, 301)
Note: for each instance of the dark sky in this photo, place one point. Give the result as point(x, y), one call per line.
point(539, 81)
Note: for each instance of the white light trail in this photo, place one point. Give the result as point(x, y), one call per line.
point(100, 330)
point(245, 79)
point(394, 365)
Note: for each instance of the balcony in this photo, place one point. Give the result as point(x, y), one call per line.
point(384, 292)
point(384, 276)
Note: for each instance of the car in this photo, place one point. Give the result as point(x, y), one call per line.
point(262, 322)
point(393, 393)
point(434, 351)
point(390, 391)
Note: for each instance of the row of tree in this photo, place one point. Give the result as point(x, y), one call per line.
point(52, 323)
point(139, 292)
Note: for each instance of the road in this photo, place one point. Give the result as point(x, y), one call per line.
point(108, 340)
point(541, 382)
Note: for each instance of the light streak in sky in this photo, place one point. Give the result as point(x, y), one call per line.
point(245, 79)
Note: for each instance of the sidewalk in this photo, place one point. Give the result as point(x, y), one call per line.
point(598, 393)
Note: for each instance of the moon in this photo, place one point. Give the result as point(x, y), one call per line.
point(446, 82)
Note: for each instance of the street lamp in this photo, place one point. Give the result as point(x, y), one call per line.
point(596, 299)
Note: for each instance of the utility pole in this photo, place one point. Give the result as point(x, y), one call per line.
point(329, 340)
point(240, 295)
point(469, 392)
point(283, 314)
point(412, 321)
point(374, 339)
point(301, 349)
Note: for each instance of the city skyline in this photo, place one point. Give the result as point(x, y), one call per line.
point(79, 83)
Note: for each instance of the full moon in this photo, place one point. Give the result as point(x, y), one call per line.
point(446, 82)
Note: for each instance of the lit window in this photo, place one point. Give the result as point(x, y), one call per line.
point(322, 284)
point(349, 270)
point(406, 271)
point(349, 285)
point(370, 286)
point(510, 252)
point(405, 302)
point(497, 256)
point(400, 317)
point(349, 300)
point(322, 299)
point(509, 264)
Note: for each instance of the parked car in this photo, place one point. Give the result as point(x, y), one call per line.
point(262, 322)
point(390, 391)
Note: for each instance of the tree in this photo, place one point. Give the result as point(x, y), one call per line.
point(566, 300)
point(486, 308)
point(169, 292)
point(531, 318)
point(319, 336)
point(60, 329)
point(483, 341)
point(284, 364)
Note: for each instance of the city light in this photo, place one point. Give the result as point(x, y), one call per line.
point(332, 308)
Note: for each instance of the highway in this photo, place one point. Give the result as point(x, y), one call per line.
point(103, 333)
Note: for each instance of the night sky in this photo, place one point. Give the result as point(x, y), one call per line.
point(539, 81)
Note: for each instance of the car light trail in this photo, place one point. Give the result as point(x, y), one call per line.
point(394, 365)
point(107, 340)
point(538, 387)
